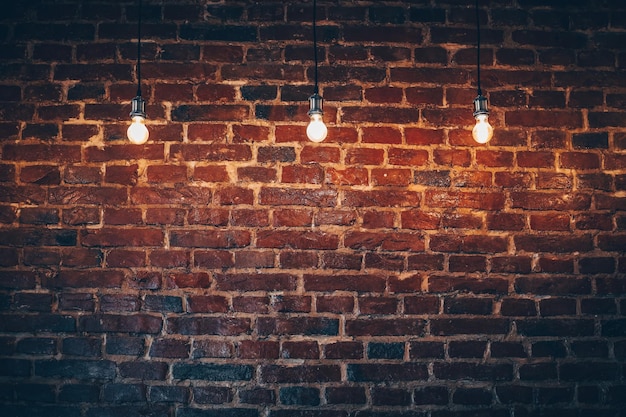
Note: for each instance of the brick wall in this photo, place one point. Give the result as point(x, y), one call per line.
point(230, 267)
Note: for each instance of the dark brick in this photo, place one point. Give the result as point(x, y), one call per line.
point(212, 395)
point(479, 372)
point(79, 369)
point(258, 396)
point(299, 374)
point(213, 372)
point(390, 396)
point(386, 372)
point(472, 396)
point(385, 350)
point(124, 393)
point(299, 396)
point(79, 393)
point(345, 395)
point(431, 395)
point(144, 370)
point(169, 394)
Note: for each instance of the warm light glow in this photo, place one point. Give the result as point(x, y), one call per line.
point(316, 131)
point(482, 132)
point(138, 132)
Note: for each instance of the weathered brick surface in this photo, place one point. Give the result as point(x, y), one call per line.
point(230, 267)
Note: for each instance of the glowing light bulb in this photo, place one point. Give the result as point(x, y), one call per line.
point(482, 132)
point(138, 132)
point(316, 131)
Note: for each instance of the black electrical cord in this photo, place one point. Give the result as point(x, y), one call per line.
point(139, 49)
point(316, 89)
point(478, 49)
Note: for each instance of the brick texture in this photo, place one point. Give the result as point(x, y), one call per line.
point(229, 267)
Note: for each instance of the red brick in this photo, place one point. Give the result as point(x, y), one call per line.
point(383, 94)
point(249, 349)
point(48, 153)
point(556, 265)
point(166, 173)
point(76, 174)
point(300, 350)
point(384, 241)
point(212, 217)
point(540, 159)
point(173, 92)
point(335, 304)
point(554, 222)
point(365, 156)
point(385, 327)
point(247, 304)
point(377, 220)
point(319, 154)
point(494, 158)
point(124, 152)
point(377, 114)
point(206, 132)
point(222, 53)
point(349, 176)
point(170, 348)
point(612, 242)
point(381, 198)
point(293, 218)
point(305, 197)
point(477, 200)
point(381, 135)
point(591, 221)
point(396, 177)
point(297, 240)
point(220, 326)
point(422, 95)
point(423, 137)
point(122, 237)
point(213, 153)
point(302, 174)
point(207, 304)
point(473, 179)
point(548, 139)
point(420, 220)
point(554, 243)
point(222, 93)
point(533, 200)
point(409, 157)
point(448, 157)
point(122, 216)
point(125, 259)
point(579, 160)
point(511, 264)
point(165, 216)
point(554, 181)
point(247, 174)
point(233, 196)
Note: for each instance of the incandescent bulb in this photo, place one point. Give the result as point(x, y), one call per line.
point(316, 131)
point(482, 132)
point(138, 132)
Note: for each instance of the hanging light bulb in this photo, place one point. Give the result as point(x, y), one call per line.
point(482, 132)
point(138, 132)
point(316, 131)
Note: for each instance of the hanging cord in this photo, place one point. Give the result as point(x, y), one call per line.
point(316, 90)
point(478, 49)
point(139, 49)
